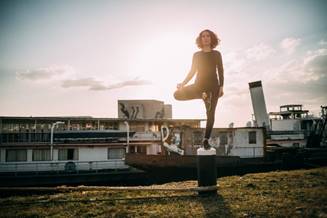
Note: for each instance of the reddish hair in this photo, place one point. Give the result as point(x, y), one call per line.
point(214, 39)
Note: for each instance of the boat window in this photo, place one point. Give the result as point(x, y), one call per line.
point(223, 139)
point(252, 137)
point(13, 155)
point(141, 149)
point(132, 149)
point(116, 153)
point(68, 154)
point(296, 145)
point(41, 155)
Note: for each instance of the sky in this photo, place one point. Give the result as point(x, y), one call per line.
point(78, 58)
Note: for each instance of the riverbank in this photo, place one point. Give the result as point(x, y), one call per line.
point(301, 193)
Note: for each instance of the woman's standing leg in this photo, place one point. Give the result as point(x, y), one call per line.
point(210, 117)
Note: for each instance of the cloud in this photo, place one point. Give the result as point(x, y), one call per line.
point(96, 85)
point(287, 79)
point(259, 52)
point(289, 44)
point(317, 66)
point(234, 61)
point(46, 73)
point(301, 81)
point(313, 54)
point(67, 77)
point(135, 82)
point(311, 66)
point(84, 82)
point(311, 94)
point(322, 42)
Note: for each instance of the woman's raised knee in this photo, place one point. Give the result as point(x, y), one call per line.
point(177, 95)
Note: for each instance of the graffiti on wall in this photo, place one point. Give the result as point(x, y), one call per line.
point(132, 112)
point(136, 111)
point(160, 114)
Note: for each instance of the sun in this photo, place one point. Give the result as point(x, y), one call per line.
point(165, 58)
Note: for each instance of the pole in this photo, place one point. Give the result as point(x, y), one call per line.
point(127, 138)
point(51, 137)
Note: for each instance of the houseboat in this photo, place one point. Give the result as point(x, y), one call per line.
point(46, 149)
point(64, 150)
point(291, 127)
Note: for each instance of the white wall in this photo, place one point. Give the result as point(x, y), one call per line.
point(241, 137)
point(242, 147)
point(286, 125)
point(247, 152)
point(238, 143)
point(93, 154)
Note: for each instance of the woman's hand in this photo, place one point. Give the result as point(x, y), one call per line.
point(221, 91)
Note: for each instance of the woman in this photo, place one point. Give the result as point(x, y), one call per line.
point(207, 86)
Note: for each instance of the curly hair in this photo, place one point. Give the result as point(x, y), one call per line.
point(214, 39)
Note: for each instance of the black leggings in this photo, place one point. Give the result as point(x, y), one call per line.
point(193, 92)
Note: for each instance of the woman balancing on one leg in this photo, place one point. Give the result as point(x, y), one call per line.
point(205, 65)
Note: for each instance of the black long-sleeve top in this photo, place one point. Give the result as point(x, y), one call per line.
point(206, 65)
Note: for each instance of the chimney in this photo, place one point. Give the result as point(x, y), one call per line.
point(259, 105)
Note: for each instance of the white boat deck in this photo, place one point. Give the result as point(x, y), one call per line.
point(57, 166)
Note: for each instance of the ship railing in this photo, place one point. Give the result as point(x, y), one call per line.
point(146, 136)
point(247, 152)
point(241, 151)
point(285, 132)
point(62, 166)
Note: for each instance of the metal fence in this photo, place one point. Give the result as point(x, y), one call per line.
point(247, 152)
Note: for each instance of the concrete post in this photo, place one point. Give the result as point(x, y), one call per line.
point(207, 171)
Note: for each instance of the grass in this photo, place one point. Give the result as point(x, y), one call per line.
point(298, 193)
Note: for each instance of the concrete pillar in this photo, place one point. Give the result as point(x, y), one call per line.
point(207, 171)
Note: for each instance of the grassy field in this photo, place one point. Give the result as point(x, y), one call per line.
point(298, 193)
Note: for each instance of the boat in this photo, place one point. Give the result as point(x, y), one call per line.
point(143, 144)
